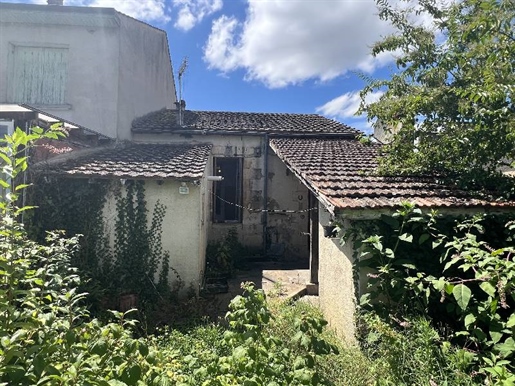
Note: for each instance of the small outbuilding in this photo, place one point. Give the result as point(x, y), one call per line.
point(342, 175)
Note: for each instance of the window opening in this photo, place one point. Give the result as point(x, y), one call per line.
point(228, 192)
point(37, 75)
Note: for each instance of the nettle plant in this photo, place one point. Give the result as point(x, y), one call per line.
point(461, 276)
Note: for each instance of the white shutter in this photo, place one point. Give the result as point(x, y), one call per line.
point(38, 75)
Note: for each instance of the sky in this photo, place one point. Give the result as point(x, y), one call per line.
point(286, 56)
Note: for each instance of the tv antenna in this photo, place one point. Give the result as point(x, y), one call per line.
point(182, 104)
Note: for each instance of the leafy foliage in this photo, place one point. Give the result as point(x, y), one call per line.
point(249, 355)
point(224, 256)
point(46, 336)
point(468, 284)
point(451, 96)
point(139, 264)
point(133, 262)
point(411, 352)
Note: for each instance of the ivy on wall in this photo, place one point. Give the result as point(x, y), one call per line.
point(132, 262)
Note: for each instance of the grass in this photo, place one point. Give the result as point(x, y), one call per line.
point(411, 355)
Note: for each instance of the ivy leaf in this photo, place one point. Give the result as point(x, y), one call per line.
point(462, 295)
point(511, 321)
point(469, 319)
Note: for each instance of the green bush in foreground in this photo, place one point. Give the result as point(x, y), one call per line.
point(462, 280)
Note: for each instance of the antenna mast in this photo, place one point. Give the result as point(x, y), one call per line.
point(182, 104)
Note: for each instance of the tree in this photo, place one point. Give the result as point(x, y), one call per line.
point(451, 96)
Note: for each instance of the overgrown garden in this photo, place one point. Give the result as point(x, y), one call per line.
point(439, 307)
point(48, 336)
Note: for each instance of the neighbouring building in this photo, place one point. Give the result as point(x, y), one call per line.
point(93, 66)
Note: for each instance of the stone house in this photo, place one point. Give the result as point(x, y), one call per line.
point(215, 171)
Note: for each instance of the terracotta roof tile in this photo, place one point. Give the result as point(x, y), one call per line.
point(215, 121)
point(138, 161)
point(343, 172)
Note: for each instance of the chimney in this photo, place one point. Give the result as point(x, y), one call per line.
point(181, 106)
point(55, 2)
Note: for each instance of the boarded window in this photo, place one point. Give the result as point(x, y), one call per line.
point(228, 192)
point(37, 75)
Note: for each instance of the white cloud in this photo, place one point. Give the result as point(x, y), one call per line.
point(283, 42)
point(191, 12)
point(220, 46)
point(346, 105)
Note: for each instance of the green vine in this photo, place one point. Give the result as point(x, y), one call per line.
point(140, 265)
point(133, 262)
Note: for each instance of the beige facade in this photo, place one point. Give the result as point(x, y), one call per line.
point(184, 225)
point(282, 232)
point(336, 284)
point(92, 66)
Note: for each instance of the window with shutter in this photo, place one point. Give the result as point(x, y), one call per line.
point(37, 75)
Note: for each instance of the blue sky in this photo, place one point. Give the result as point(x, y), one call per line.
point(291, 56)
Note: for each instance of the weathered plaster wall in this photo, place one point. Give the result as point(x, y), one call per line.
point(205, 199)
point(336, 284)
point(145, 78)
point(288, 233)
point(183, 231)
point(91, 92)
point(250, 148)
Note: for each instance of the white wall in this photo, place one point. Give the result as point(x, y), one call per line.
point(145, 79)
point(92, 79)
point(183, 230)
point(114, 74)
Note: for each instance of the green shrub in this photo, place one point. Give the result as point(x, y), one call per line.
point(464, 280)
point(411, 352)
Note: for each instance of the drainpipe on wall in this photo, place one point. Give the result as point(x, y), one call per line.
point(265, 197)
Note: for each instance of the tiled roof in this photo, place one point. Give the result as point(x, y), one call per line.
point(343, 173)
point(164, 121)
point(138, 161)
